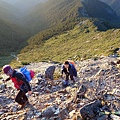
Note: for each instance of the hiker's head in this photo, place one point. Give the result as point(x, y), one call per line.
point(7, 70)
point(66, 64)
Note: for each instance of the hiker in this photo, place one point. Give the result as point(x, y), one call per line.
point(70, 71)
point(20, 83)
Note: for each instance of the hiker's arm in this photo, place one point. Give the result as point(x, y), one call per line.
point(19, 76)
point(63, 70)
point(6, 80)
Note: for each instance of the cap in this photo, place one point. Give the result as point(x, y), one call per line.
point(6, 69)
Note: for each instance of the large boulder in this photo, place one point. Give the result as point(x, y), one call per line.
point(91, 110)
point(50, 72)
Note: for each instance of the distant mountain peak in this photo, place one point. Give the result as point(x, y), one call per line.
point(98, 9)
point(114, 4)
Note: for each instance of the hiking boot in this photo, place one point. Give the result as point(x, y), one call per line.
point(65, 83)
point(23, 105)
point(73, 81)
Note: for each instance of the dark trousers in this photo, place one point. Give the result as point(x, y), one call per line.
point(21, 97)
point(68, 74)
point(67, 77)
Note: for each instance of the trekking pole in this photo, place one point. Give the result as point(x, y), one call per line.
point(108, 113)
point(5, 85)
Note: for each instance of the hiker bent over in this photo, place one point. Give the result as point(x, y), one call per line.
point(69, 70)
point(20, 83)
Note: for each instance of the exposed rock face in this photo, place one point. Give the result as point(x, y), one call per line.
point(98, 85)
point(91, 110)
point(50, 72)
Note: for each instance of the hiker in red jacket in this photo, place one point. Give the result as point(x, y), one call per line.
point(20, 83)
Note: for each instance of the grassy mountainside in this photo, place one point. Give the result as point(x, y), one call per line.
point(84, 41)
point(9, 13)
point(24, 5)
point(63, 15)
point(115, 4)
point(11, 37)
point(54, 12)
point(11, 34)
point(54, 18)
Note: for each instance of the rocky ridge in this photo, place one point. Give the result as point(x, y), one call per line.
point(97, 80)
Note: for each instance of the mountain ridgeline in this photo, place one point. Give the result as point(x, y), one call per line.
point(114, 4)
point(62, 15)
point(54, 12)
point(39, 20)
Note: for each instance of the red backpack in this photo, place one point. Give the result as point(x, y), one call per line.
point(32, 73)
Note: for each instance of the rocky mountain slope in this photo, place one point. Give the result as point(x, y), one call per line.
point(97, 80)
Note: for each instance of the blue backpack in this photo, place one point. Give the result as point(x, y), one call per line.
point(29, 74)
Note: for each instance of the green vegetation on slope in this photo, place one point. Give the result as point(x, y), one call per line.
point(84, 41)
point(51, 14)
point(54, 18)
point(55, 12)
point(64, 15)
point(12, 35)
point(12, 38)
point(9, 13)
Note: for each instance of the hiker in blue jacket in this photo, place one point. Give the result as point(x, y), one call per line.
point(70, 71)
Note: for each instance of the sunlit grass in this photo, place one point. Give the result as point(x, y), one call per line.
point(77, 43)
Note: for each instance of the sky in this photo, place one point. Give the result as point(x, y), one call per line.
point(23, 4)
point(15, 1)
point(11, 1)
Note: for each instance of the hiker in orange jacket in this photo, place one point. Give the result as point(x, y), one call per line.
point(20, 83)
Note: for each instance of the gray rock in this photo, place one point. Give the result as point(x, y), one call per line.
point(38, 114)
point(115, 117)
point(80, 93)
point(30, 113)
point(90, 110)
point(63, 113)
point(1, 113)
point(3, 86)
point(62, 98)
point(78, 106)
point(44, 118)
point(103, 117)
point(14, 109)
point(49, 112)
point(39, 75)
point(1, 100)
point(49, 72)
